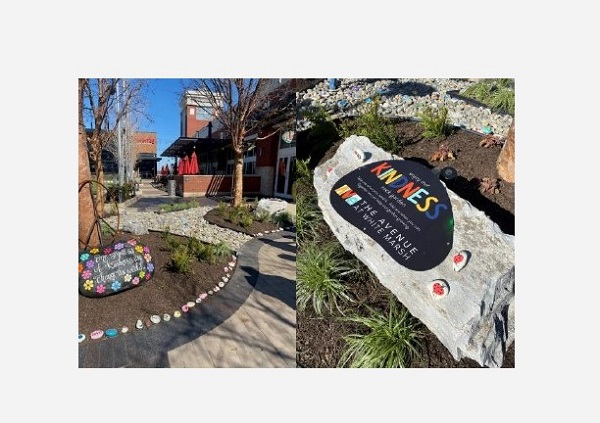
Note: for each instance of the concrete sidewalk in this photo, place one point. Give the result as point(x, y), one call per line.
point(251, 322)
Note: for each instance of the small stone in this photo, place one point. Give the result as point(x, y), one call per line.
point(460, 260)
point(210, 292)
point(166, 317)
point(97, 334)
point(438, 288)
point(185, 308)
point(148, 323)
point(198, 300)
point(111, 333)
point(155, 319)
point(203, 295)
point(139, 324)
point(191, 304)
point(81, 337)
point(177, 313)
point(225, 269)
point(231, 264)
point(216, 289)
point(259, 234)
point(224, 278)
point(221, 284)
point(358, 154)
point(124, 329)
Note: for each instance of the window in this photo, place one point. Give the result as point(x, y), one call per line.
point(203, 113)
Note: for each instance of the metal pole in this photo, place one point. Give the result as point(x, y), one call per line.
point(119, 146)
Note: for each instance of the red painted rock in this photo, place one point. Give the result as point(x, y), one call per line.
point(439, 289)
point(460, 260)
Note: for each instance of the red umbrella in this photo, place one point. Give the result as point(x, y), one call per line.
point(193, 164)
point(180, 167)
point(186, 166)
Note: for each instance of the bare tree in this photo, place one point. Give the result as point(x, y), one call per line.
point(88, 231)
point(243, 106)
point(106, 110)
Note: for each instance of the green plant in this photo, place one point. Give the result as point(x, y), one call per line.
point(262, 216)
point(246, 220)
point(434, 122)
point(222, 208)
point(371, 124)
point(195, 246)
point(106, 230)
point(498, 94)
point(181, 260)
point(221, 250)
point(393, 339)
point(322, 134)
point(179, 206)
point(308, 216)
point(170, 240)
point(283, 218)
point(318, 279)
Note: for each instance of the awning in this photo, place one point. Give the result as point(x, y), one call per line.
point(185, 145)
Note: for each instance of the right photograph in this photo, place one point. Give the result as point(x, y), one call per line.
point(405, 224)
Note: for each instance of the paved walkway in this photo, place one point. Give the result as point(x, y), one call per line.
point(251, 322)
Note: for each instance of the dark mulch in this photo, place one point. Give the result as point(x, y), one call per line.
point(319, 340)
point(214, 217)
point(166, 292)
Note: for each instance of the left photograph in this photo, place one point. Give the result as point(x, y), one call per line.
point(187, 236)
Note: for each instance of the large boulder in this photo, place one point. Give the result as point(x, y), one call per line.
point(506, 159)
point(271, 206)
point(475, 316)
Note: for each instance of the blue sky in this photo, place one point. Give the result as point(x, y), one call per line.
point(163, 98)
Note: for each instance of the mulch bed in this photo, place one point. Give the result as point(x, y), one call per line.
point(214, 217)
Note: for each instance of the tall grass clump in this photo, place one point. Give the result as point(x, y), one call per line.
point(393, 339)
point(373, 125)
point(498, 94)
point(434, 122)
point(318, 279)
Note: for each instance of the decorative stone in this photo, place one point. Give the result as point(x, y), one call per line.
point(460, 260)
point(128, 263)
point(233, 257)
point(203, 296)
point(216, 289)
point(358, 154)
point(148, 323)
point(185, 308)
point(224, 278)
point(139, 324)
point(477, 320)
point(111, 333)
point(198, 300)
point(210, 292)
point(97, 334)
point(177, 313)
point(271, 206)
point(438, 288)
point(191, 304)
point(231, 264)
point(124, 329)
point(81, 337)
point(506, 159)
point(225, 269)
point(155, 319)
point(166, 317)
point(221, 284)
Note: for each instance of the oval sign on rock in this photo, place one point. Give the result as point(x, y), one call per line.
point(114, 268)
point(402, 206)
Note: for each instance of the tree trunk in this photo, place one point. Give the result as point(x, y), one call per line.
point(506, 159)
point(238, 178)
point(87, 219)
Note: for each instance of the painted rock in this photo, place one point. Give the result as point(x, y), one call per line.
point(81, 337)
point(191, 304)
point(166, 317)
point(203, 295)
point(439, 289)
point(111, 333)
point(155, 319)
point(97, 334)
point(231, 264)
point(177, 313)
point(221, 284)
point(139, 324)
point(225, 269)
point(114, 268)
point(460, 260)
point(216, 289)
point(185, 308)
point(198, 300)
point(224, 278)
point(124, 329)
point(148, 323)
point(210, 292)
point(358, 154)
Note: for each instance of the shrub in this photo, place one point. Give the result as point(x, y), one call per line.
point(221, 250)
point(308, 216)
point(170, 240)
point(371, 124)
point(181, 260)
point(222, 208)
point(393, 339)
point(322, 134)
point(319, 269)
point(282, 219)
point(246, 220)
point(435, 122)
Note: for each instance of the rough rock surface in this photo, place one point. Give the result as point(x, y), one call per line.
point(476, 318)
point(506, 159)
point(271, 206)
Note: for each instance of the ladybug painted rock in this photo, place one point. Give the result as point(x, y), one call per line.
point(438, 289)
point(460, 260)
